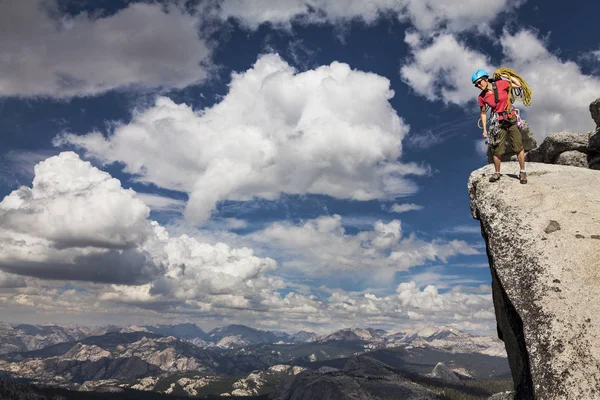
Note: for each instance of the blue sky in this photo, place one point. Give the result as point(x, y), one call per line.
point(298, 165)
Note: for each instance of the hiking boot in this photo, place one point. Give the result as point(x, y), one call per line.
point(523, 177)
point(495, 177)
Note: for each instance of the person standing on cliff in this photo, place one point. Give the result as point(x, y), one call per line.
point(499, 102)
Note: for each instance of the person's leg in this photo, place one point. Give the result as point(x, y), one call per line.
point(517, 146)
point(521, 158)
point(497, 163)
point(498, 151)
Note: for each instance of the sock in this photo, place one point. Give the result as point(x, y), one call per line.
point(523, 170)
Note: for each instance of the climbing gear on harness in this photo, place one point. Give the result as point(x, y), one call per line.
point(494, 131)
point(522, 94)
point(495, 177)
point(480, 73)
point(519, 120)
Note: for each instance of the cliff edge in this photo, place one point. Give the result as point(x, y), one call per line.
point(543, 246)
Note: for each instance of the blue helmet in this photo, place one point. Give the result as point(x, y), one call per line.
point(480, 73)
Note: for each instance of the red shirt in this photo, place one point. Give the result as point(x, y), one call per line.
point(487, 97)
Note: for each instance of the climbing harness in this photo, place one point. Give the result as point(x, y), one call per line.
point(522, 94)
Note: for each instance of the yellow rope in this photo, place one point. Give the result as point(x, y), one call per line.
point(524, 94)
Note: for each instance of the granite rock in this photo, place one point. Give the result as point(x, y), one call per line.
point(574, 158)
point(557, 143)
point(545, 286)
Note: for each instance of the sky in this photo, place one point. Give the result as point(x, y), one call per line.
point(290, 165)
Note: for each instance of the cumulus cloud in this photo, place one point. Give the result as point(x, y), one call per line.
point(401, 208)
point(328, 131)
point(562, 92)
point(48, 53)
point(463, 308)
point(454, 15)
point(197, 268)
point(76, 222)
point(441, 69)
point(429, 300)
point(323, 246)
point(91, 229)
point(411, 302)
point(26, 255)
point(72, 203)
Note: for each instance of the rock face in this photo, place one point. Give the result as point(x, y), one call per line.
point(546, 286)
point(574, 158)
point(502, 396)
point(441, 371)
point(595, 111)
point(556, 144)
point(566, 148)
point(363, 378)
point(593, 150)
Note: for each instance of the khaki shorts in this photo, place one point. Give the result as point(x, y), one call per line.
point(509, 128)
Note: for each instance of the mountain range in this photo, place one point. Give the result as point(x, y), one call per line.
point(234, 360)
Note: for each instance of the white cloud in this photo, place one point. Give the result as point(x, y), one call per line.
point(72, 203)
point(415, 316)
point(235, 223)
point(441, 70)
point(562, 93)
point(198, 268)
point(410, 302)
point(322, 246)
point(77, 223)
point(440, 278)
point(326, 131)
point(469, 229)
point(470, 308)
point(457, 15)
point(46, 53)
point(203, 277)
point(401, 208)
point(161, 203)
point(91, 229)
point(454, 15)
point(429, 300)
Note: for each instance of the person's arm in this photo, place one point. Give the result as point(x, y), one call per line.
point(515, 82)
point(483, 117)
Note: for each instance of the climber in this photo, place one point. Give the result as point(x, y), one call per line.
point(496, 95)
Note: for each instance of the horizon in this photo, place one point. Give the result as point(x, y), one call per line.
point(75, 325)
point(300, 164)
